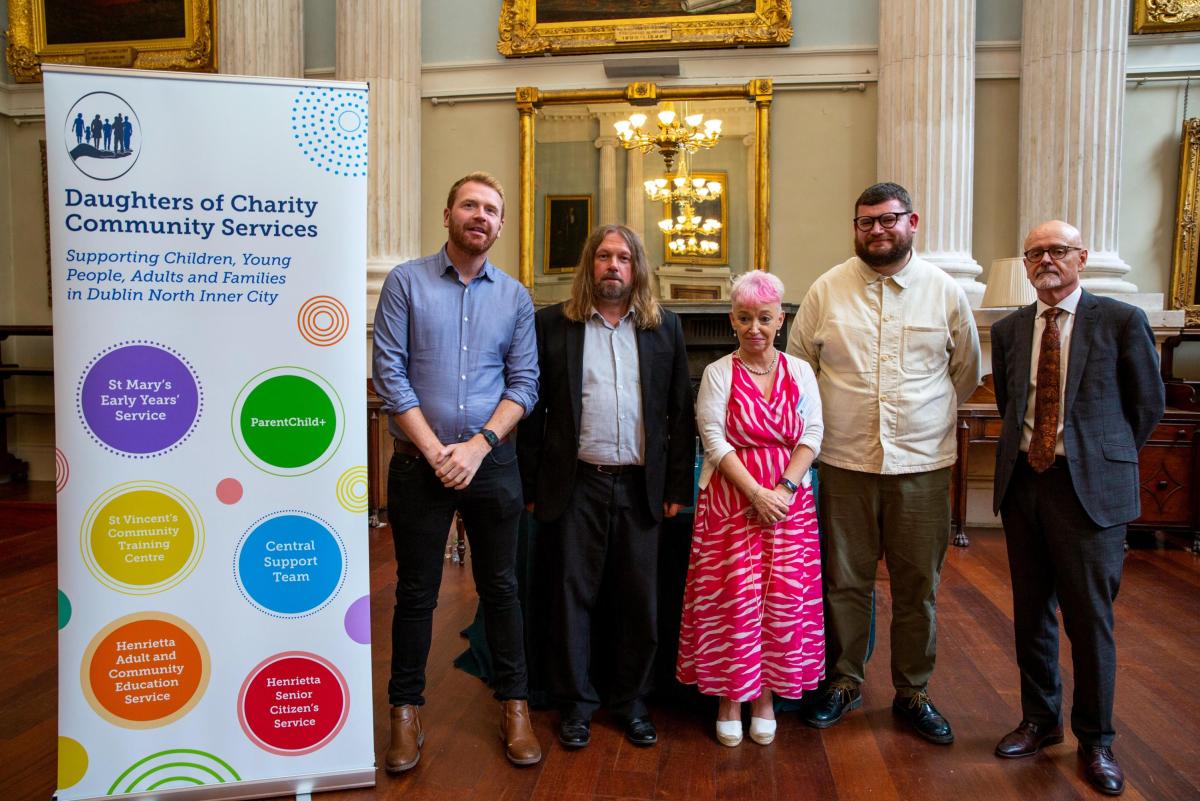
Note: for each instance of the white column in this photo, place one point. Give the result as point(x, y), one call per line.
point(379, 41)
point(926, 125)
point(261, 37)
point(635, 193)
point(1072, 106)
point(607, 213)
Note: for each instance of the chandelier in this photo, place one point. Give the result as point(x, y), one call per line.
point(674, 135)
point(686, 230)
point(679, 188)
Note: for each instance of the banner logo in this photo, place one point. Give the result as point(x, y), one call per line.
point(103, 136)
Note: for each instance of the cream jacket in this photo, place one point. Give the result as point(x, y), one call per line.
point(894, 356)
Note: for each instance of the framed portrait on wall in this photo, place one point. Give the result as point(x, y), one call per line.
point(712, 208)
point(143, 34)
point(1166, 16)
point(547, 27)
point(1185, 265)
point(568, 223)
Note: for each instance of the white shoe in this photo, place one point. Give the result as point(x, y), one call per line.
point(729, 732)
point(762, 731)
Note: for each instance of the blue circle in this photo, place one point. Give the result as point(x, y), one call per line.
point(290, 564)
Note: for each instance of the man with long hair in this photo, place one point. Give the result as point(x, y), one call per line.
point(607, 453)
point(456, 370)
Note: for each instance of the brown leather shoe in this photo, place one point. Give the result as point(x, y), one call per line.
point(520, 744)
point(1027, 739)
point(1101, 770)
point(405, 750)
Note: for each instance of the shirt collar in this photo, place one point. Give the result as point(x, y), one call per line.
point(1067, 304)
point(447, 265)
point(596, 316)
point(902, 278)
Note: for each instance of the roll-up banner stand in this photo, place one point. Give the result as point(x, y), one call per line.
point(208, 245)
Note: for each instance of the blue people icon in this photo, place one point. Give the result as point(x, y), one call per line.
point(108, 129)
point(118, 131)
point(128, 133)
point(97, 131)
point(78, 126)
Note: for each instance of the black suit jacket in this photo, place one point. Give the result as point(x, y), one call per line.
point(1113, 400)
point(548, 439)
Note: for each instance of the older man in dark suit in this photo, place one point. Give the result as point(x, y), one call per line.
point(1078, 388)
point(607, 452)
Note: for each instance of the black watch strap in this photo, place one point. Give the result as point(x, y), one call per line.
point(789, 484)
point(490, 436)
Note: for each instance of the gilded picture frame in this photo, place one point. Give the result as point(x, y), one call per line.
point(568, 224)
point(1166, 16)
point(146, 34)
point(1186, 253)
point(711, 208)
point(548, 27)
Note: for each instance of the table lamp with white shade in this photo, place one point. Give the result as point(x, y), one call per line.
point(1008, 286)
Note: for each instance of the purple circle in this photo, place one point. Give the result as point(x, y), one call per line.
point(358, 620)
point(139, 399)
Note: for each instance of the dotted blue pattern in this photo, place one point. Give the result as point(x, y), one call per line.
point(330, 127)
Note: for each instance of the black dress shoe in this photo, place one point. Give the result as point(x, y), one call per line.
point(1027, 739)
point(574, 732)
point(640, 731)
point(920, 712)
point(829, 707)
point(1101, 770)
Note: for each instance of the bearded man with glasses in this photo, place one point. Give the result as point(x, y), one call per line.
point(1078, 389)
point(892, 340)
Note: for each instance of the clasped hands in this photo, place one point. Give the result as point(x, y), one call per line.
point(456, 464)
point(770, 505)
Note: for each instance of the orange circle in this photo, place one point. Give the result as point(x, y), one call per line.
point(323, 320)
point(145, 670)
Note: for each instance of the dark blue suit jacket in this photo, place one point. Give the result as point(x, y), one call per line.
point(1114, 398)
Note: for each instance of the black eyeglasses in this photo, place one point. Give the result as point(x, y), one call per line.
point(1057, 252)
point(888, 220)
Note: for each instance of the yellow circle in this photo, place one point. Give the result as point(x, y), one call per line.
point(142, 537)
point(351, 489)
point(72, 762)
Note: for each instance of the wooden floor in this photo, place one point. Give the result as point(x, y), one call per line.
point(868, 756)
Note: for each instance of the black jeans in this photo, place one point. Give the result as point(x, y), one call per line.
point(604, 615)
point(420, 509)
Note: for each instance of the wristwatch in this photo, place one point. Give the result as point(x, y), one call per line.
point(494, 441)
point(788, 484)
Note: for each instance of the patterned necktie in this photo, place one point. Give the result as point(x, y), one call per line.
point(1045, 405)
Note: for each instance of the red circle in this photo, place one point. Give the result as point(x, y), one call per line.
point(293, 703)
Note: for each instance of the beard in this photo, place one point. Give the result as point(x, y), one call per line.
point(1050, 279)
point(612, 290)
point(901, 247)
point(462, 239)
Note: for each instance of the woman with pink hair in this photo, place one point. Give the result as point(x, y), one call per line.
point(752, 623)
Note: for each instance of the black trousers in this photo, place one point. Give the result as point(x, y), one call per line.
point(604, 555)
point(1059, 558)
point(420, 509)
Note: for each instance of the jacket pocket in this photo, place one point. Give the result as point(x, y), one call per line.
point(1116, 452)
point(923, 350)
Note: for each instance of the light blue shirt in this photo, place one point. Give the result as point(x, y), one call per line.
point(453, 349)
point(610, 420)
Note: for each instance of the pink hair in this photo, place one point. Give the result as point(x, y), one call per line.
point(756, 288)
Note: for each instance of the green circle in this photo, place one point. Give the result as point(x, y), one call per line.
point(288, 421)
point(64, 610)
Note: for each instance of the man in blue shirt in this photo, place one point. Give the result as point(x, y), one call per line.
point(455, 363)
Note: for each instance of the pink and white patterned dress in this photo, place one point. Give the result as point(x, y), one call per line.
point(752, 614)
